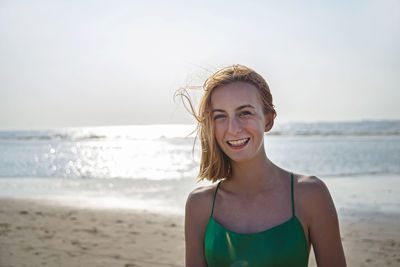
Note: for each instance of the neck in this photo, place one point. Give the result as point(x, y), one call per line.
point(253, 176)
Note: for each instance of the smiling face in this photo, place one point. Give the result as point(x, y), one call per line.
point(239, 120)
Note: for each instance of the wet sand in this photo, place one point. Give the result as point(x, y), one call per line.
point(40, 233)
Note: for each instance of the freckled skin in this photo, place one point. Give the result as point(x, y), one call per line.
point(232, 123)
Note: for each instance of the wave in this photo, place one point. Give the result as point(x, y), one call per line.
point(154, 132)
point(320, 133)
point(55, 137)
point(357, 128)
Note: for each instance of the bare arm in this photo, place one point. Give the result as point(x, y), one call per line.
point(196, 219)
point(324, 227)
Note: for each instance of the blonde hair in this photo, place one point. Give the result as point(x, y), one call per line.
point(214, 164)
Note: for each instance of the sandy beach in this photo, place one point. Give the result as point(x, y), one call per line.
point(40, 233)
point(37, 233)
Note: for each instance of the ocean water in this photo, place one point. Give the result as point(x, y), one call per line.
point(155, 166)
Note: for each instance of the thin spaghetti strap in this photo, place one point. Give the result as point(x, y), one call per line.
point(291, 174)
point(215, 193)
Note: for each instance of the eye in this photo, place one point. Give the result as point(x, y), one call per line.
point(244, 113)
point(220, 116)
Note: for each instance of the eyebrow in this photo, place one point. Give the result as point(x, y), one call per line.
point(238, 108)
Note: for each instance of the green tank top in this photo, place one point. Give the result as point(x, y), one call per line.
point(282, 245)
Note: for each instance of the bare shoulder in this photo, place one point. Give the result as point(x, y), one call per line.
point(311, 188)
point(320, 217)
point(313, 197)
point(200, 199)
point(201, 194)
point(197, 212)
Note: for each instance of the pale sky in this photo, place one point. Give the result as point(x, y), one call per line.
point(92, 63)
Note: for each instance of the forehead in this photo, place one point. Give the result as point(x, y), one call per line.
point(235, 94)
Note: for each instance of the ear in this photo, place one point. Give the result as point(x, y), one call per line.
point(269, 122)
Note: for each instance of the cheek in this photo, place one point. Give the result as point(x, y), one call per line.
point(256, 128)
point(251, 124)
point(219, 133)
point(219, 127)
point(260, 121)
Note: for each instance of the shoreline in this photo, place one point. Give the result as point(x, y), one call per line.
point(43, 233)
point(364, 194)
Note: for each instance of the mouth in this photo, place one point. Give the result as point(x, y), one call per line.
point(238, 143)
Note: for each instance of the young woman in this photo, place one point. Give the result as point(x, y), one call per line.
point(257, 214)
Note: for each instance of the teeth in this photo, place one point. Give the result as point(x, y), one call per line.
point(238, 142)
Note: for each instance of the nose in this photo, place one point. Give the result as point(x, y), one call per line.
point(234, 126)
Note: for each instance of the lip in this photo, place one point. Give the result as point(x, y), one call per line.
point(238, 146)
